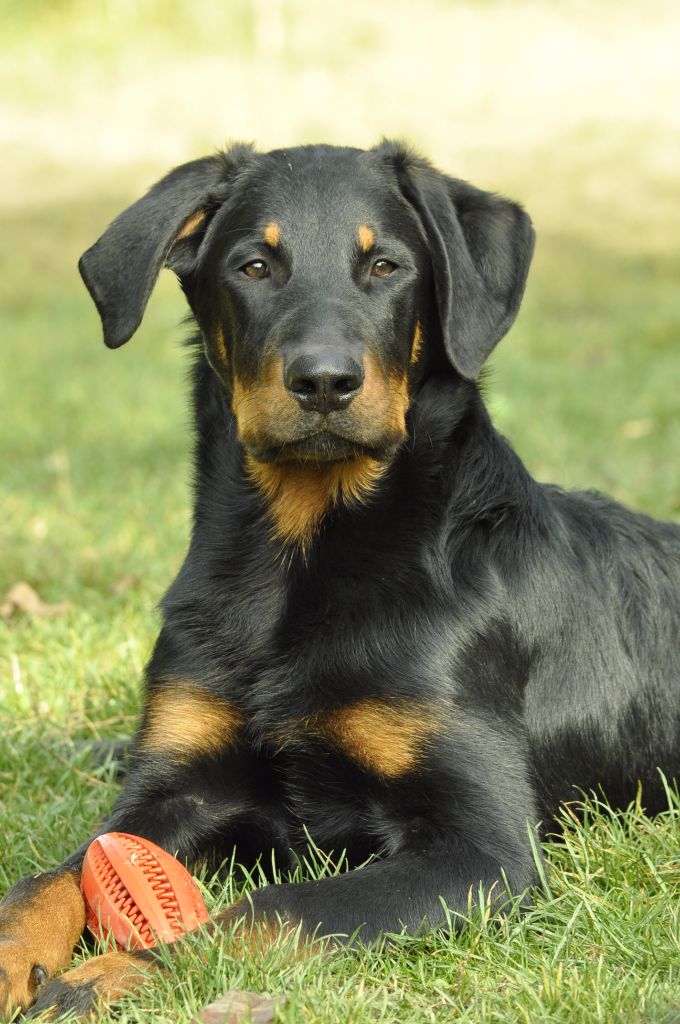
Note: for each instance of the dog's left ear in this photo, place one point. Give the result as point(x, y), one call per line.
point(481, 247)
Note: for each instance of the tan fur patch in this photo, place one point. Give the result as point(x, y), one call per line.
point(264, 405)
point(111, 975)
point(272, 234)
point(366, 237)
point(191, 224)
point(185, 722)
point(38, 928)
point(383, 400)
point(221, 347)
point(387, 738)
point(417, 344)
point(299, 495)
point(255, 935)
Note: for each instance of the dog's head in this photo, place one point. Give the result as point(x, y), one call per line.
point(327, 282)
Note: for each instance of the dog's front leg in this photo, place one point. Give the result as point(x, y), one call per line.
point(183, 805)
point(41, 920)
point(406, 892)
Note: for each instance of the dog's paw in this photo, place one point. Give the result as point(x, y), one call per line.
point(41, 919)
point(92, 987)
point(20, 979)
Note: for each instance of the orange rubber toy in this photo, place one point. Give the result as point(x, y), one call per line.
point(138, 893)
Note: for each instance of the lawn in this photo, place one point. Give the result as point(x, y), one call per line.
point(95, 445)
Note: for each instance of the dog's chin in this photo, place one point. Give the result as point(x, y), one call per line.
point(320, 448)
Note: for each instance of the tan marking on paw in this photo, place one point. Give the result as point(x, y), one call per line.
point(39, 926)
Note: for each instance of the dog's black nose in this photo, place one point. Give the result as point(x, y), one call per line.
point(323, 382)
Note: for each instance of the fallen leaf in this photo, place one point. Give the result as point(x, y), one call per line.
point(124, 584)
point(239, 1008)
point(632, 430)
point(22, 597)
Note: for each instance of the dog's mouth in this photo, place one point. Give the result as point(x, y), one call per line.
point(322, 446)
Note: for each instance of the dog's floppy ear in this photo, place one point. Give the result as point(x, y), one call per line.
point(120, 269)
point(481, 247)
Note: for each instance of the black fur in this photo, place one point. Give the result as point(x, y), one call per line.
point(542, 626)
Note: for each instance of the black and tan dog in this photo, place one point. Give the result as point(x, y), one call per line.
point(385, 632)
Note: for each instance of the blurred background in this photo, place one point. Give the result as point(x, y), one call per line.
point(572, 107)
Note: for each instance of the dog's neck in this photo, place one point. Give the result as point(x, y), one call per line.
point(300, 495)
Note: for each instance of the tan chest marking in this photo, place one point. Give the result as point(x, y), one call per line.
point(185, 722)
point(299, 495)
point(389, 739)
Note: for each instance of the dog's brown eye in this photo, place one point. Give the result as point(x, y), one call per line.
point(383, 268)
point(256, 268)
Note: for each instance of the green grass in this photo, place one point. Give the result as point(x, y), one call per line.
point(95, 465)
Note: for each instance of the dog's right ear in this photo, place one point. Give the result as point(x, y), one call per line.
point(121, 268)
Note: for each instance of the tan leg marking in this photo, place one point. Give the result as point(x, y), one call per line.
point(185, 722)
point(390, 739)
point(95, 984)
point(39, 928)
point(272, 234)
point(299, 495)
point(366, 237)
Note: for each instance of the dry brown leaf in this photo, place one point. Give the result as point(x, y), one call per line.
point(22, 597)
point(239, 1008)
point(125, 583)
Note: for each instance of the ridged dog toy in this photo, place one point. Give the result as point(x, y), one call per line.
point(138, 893)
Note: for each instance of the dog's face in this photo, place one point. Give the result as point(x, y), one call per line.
point(327, 283)
point(309, 287)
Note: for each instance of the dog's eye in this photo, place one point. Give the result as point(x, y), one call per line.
point(256, 268)
point(383, 268)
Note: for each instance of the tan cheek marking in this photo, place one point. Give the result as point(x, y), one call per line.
point(299, 495)
point(191, 224)
point(221, 346)
point(272, 234)
point(383, 401)
point(38, 928)
point(185, 722)
point(264, 406)
point(366, 237)
point(417, 345)
point(389, 740)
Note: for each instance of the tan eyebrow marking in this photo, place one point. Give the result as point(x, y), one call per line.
point(366, 237)
point(272, 234)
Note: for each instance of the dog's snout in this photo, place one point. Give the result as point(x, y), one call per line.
point(323, 382)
